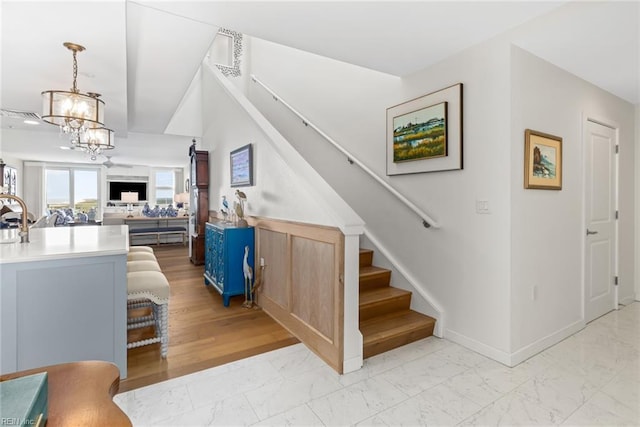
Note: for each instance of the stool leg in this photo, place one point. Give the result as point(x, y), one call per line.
point(163, 316)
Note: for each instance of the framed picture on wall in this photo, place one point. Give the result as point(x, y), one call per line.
point(9, 179)
point(425, 133)
point(242, 166)
point(542, 161)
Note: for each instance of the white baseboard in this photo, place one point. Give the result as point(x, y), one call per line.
point(351, 365)
point(628, 300)
point(478, 347)
point(513, 359)
point(545, 342)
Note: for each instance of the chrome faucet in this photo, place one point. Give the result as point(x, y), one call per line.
point(24, 227)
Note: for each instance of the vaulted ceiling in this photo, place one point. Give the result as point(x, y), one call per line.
point(142, 55)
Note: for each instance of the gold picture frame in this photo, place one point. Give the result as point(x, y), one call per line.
point(542, 161)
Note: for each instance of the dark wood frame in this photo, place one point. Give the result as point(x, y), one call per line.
point(453, 97)
point(199, 201)
point(247, 164)
point(532, 137)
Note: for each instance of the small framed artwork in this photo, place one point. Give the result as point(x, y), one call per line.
point(425, 134)
point(10, 180)
point(542, 161)
point(242, 166)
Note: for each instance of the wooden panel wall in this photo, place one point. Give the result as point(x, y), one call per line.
point(301, 283)
point(274, 249)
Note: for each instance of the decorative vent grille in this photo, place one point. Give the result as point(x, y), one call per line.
point(22, 115)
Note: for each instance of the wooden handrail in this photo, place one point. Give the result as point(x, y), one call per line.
point(427, 221)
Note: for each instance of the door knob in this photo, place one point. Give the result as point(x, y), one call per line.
point(591, 232)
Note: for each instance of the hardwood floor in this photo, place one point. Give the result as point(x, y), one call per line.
point(202, 332)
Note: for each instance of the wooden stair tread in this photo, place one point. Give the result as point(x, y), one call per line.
point(369, 296)
point(381, 327)
point(386, 320)
point(372, 270)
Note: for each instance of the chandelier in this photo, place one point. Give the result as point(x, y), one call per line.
point(94, 141)
point(79, 115)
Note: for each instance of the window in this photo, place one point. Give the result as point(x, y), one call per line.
point(164, 187)
point(71, 188)
point(85, 190)
point(58, 189)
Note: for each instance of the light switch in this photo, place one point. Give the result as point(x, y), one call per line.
point(482, 207)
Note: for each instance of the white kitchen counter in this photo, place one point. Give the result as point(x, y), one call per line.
point(63, 243)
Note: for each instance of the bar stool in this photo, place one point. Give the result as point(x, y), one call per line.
point(142, 265)
point(140, 249)
point(141, 256)
point(149, 289)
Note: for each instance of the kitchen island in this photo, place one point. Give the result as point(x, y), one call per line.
point(63, 297)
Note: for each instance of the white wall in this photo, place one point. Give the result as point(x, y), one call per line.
point(276, 192)
point(465, 263)
point(548, 226)
point(637, 216)
point(481, 268)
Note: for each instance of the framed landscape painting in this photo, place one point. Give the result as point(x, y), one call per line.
point(420, 134)
point(425, 134)
point(542, 161)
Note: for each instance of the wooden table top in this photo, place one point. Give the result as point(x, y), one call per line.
point(81, 394)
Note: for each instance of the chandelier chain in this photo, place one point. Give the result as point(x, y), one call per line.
point(74, 89)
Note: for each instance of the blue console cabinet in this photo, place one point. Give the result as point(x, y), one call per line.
point(223, 257)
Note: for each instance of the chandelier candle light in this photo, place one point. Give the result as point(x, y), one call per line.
point(95, 141)
point(78, 114)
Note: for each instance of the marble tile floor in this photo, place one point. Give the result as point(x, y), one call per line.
point(590, 378)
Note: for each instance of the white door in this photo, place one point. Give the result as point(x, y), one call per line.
point(600, 202)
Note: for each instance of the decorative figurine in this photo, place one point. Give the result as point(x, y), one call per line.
point(225, 208)
point(171, 212)
point(248, 277)
point(239, 208)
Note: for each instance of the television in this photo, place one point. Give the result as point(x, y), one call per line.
point(116, 188)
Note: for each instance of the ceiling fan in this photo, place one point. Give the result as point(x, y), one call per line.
point(109, 164)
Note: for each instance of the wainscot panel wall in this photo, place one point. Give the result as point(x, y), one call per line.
point(301, 283)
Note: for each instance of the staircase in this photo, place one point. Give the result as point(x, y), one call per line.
point(386, 321)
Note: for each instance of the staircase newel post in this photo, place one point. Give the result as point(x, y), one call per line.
point(352, 350)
